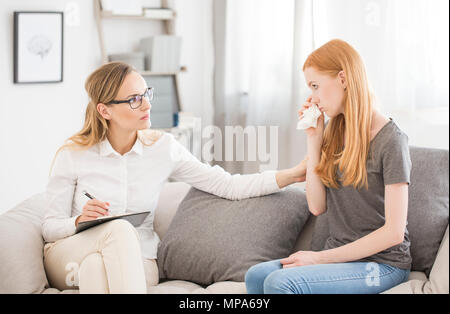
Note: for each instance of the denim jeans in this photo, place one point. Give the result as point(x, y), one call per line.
point(344, 278)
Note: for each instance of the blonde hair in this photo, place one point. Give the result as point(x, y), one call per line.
point(102, 86)
point(330, 59)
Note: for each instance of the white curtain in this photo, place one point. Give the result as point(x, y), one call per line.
point(405, 46)
point(261, 46)
point(254, 66)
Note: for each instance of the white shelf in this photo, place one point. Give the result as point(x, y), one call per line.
point(164, 15)
point(150, 73)
point(110, 15)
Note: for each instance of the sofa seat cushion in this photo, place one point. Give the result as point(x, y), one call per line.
point(186, 287)
point(180, 287)
point(175, 287)
point(56, 291)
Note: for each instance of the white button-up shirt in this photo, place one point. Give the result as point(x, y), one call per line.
point(132, 183)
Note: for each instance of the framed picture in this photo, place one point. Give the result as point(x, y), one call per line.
point(38, 47)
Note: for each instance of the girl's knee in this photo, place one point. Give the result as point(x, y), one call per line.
point(278, 283)
point(257, 273)
point(251, 273)
point(254, 279)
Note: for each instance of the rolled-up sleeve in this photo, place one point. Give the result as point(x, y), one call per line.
point(58, 223)
point(215, 180)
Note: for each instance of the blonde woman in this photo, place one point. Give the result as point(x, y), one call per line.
point(358, 172)
point(124, 164)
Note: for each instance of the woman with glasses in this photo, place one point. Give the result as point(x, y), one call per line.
point(117, 158)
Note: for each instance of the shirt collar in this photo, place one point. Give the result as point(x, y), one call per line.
point(105, 148)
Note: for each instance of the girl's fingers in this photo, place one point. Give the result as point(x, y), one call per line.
point(304, 107)
point(286, 260)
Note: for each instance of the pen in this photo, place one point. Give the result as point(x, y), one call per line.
point(92, 197)
point(88, 195)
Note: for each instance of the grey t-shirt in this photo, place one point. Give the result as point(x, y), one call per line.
point(353, 213)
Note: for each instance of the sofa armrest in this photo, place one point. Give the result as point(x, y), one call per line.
point(437, 283)
point(171, 196)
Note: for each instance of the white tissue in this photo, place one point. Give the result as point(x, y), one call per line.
point(309, 119)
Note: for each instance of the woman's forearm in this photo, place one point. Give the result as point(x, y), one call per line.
point(315, 190)
point(371, 244)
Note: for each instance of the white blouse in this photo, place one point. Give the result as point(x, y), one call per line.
point(132, 183)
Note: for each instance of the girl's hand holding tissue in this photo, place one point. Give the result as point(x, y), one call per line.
point(311, 119)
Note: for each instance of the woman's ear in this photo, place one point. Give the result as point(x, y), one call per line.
point(103, 110)
point(343, 79)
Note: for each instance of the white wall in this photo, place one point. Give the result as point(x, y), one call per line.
point(35, 119)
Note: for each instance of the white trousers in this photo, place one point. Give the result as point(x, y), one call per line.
point(103, 259)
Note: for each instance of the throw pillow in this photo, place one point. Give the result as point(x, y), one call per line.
point(212, 239)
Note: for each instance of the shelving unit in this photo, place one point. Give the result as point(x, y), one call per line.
point(169, 27)
point(187, 131)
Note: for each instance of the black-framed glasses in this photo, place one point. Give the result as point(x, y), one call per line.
point(136, 101)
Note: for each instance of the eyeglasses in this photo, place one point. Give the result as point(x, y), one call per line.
point(136, 101)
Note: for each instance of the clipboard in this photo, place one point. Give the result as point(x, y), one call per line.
point(136, 219)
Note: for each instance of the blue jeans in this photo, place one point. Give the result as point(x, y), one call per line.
point(344, 278)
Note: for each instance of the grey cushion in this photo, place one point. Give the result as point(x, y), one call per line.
point(21, 248)
point(428, 207)
point(212, 239)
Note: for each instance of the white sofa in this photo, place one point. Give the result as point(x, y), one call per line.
point(21, 246)
point(171, 197)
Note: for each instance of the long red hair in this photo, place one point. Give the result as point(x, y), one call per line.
point(330, 59)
